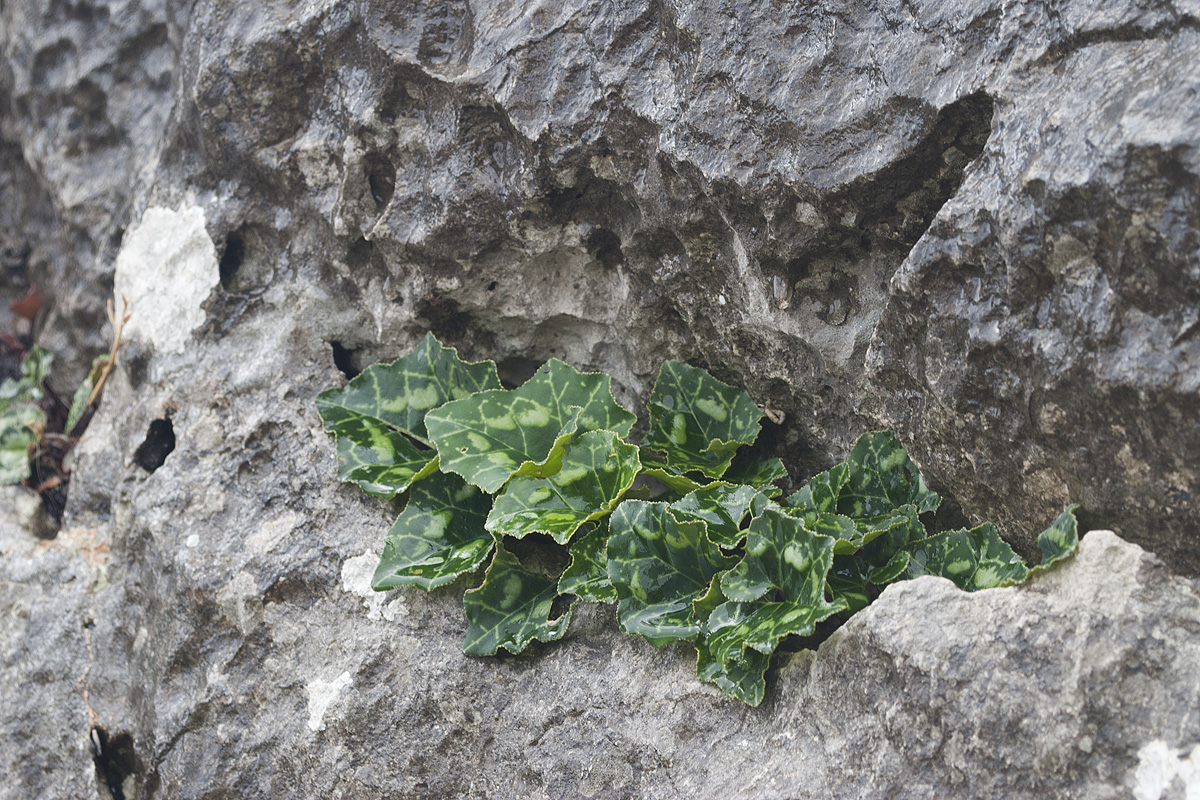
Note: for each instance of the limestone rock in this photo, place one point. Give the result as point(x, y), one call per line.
point(973, 222)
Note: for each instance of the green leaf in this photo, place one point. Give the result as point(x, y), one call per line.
point(722, 507)
point(821, 492)
point(79, 401)
point(886, 534)
point(848, 581)
point(759, 474)
point(399, 395)
point(882, 478)
point(587, 576)
point(974, 559)
point(659, 565)
point(698, 421)
point(511, 609)
point(35, 366)
point(21, 421)
point(742, 677)
point(892, 571)
point(783, 560)
point(654, 464)
point(780, 554)
point(381, 462)
point(597, 469)
point(1060, 540)
point(17, 435)
point(374, 415)
point(734, 626)
point(493, 435)
point(439, 535)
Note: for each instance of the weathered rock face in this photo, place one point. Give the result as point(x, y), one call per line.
point(975, 223)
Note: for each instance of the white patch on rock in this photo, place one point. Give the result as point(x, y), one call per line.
point(166, 268)
point(1159, 766)
point(356, 579)
point(321, 695)
point(240, 602)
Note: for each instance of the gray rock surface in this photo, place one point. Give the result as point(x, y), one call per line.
point(975, 223)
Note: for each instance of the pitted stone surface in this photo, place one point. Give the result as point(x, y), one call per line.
point(972, 222)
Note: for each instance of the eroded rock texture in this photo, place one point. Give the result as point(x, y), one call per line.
point(975, 223)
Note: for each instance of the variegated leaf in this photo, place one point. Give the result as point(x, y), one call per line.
point(511, 609)
point(974, 559)
point(722, 507)
point(654, 464)
point(382, 462)
point(881, 478)
point(698, 421)
point(849, 582)
point(587, 575)
point(494, 435)
point(781, 554)
point(439, 535)
point(783, 560)
point(760, 626)
point(399, 395)
point(659, 566)
point(742, 677)
point(597, 469)
point(18, 423)
point(374, 415)
point(1059, 541)
point(759, 474)
point(822, 491)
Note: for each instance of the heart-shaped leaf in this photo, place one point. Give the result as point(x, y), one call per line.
point(18, 423)
point(723, 508)
point(1059, 541)
point(822, 491)
point(587, 575)
point(439, 535)
point(399, 395)
point(374, 415)
point(511, 609)
point(759, 474)
point(741, 677)
point(596, 470)
point(658, 566)
point(698, 421)
point(783, 560)
point(882, 478)
point(382, 462)
point(493, 435)
point(974, 559)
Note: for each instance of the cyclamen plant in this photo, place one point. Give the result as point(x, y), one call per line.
point(714, 558)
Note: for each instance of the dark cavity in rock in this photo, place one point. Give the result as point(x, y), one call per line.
point(159, 442)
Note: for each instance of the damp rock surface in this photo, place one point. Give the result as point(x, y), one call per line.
point(974, 223)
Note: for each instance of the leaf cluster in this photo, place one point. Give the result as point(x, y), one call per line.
point(686, 545)
point(21, 419)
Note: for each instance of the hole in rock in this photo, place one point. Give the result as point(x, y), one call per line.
point(159, 442)
point(346, 360)
point(446, 318)
point(605, 247)
point(381, 178)
point(245, 266)
point(116, 763)
point(905, 197)
point(231, 260)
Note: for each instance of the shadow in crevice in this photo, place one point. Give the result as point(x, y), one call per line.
point(883, 213)
point(118, 768)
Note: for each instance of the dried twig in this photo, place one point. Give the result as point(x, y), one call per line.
point(117, 327)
